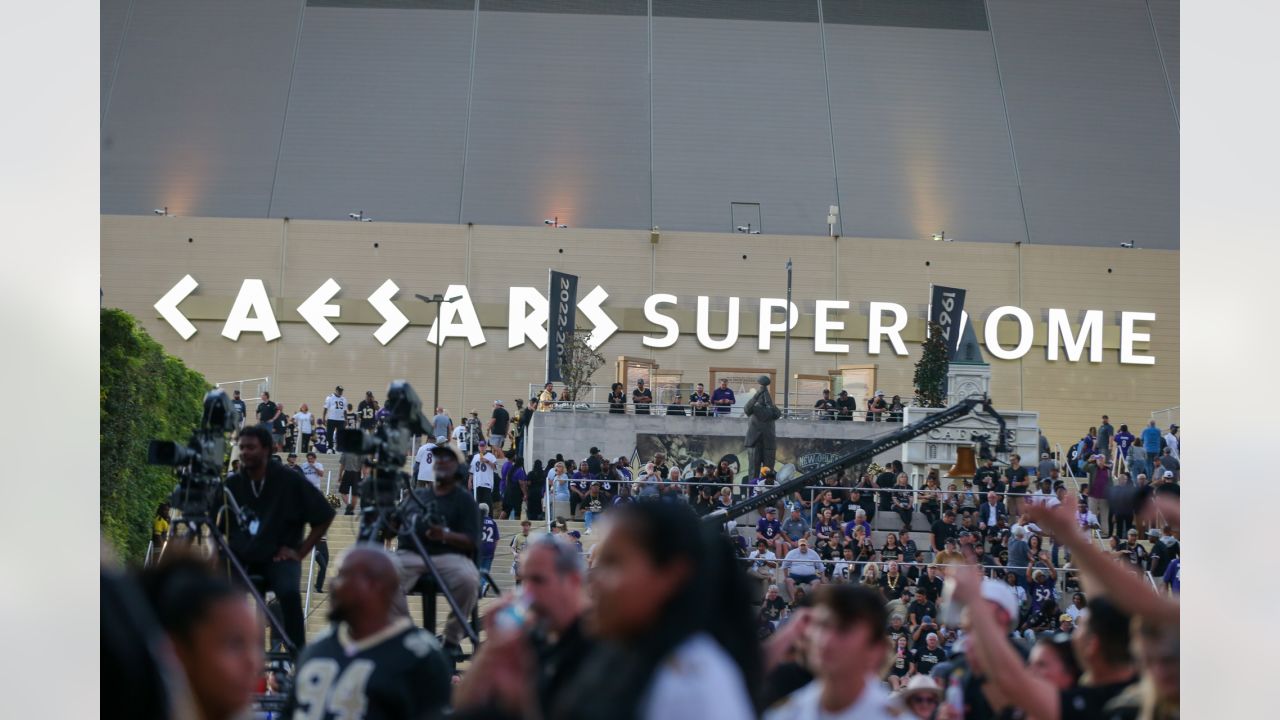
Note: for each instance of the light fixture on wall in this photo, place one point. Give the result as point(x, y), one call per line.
point(941, 236)
point(1127, 245)
point(655, 235)
point(833, 217)
point(359, 216)
point(555, 223)
point(162, 211)
point(747, 230)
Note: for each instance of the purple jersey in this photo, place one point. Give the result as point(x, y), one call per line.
point(488, 537)
point(768, 528)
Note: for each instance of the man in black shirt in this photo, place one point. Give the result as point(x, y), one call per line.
point(677, 407)
point(700, 401)
point(845, 406)
point(368, 411)
point(641, 397)
point(825, 407)
point(372, 660)
point(451, 543)
point(886, 479)
point(281, 502)
point(498, 423)
point(944, 529)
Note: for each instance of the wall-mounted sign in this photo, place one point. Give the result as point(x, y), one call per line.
point(529, 312)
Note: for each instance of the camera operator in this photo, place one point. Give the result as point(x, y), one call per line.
point(282, 502)
point(450, 533)
point(396, 670)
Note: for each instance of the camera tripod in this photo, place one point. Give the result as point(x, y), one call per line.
point(201, 521)
point(382, 513)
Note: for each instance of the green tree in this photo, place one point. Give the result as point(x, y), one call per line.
point(931, 370)
point(578, 362)
point(144, 393)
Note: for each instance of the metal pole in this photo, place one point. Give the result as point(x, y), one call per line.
point(786, 366)
point(438, 344)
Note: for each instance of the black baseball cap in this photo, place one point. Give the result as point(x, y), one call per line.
point(339, 388)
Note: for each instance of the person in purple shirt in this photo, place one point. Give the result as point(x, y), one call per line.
point(723, 399)
point(769, 529)
point(488, 544)
point(1124, 439)
point(1173, 576)
point(860, 519)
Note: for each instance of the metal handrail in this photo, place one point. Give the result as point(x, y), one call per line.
point(311, 567)
point(598, 400)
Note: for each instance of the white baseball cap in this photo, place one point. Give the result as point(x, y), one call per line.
point(441, 439)
point(1001, 594)
point(1168, 473)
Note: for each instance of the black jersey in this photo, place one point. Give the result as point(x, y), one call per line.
point(399, 673)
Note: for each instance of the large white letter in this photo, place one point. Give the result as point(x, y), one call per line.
point(457, 318)
point(393, 321)
point(521, 327)
point(1128, 336)
point(652, 315)
point(704, 322)
point(821, 325)
point(602, 325)
point(1026, 332)
point(316, 310)
point(768, 326)
point(167, 306)
point(1090, 331)
point(252, 297)
point(877, 328)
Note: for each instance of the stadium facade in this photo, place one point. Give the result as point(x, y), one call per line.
point(1040, 135)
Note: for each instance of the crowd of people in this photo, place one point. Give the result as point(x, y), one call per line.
point(1014, 593)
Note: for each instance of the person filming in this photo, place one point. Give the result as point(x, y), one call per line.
point(450, 535)
point(280, 503)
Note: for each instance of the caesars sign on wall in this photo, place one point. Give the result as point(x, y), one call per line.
point(528, 311)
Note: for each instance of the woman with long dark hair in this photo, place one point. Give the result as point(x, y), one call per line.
point(514, 489)
point(676, 631)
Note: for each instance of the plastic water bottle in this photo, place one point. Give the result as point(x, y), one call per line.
point(515, 615)
point(955, 695)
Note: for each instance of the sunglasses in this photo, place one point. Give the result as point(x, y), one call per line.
point(923, 700)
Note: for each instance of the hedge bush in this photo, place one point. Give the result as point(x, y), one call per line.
point(145, 393)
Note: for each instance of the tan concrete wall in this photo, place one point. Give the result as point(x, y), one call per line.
point(142, 257)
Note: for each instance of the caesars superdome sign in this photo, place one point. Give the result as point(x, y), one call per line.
point(528, 313)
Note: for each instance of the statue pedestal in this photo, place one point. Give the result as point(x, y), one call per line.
point(965, 379)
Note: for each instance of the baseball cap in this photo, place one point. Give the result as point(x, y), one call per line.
point(1001, 594)
point(497, 402)
point(368, 393)
point(575, 533)
point(1168, 473)
point(441, 439)
point(926, 620)
point(771, 509)
point(1064, 618)
point(339, 388)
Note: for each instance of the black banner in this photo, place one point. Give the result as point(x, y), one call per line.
point(562, 296)
point(945, 308)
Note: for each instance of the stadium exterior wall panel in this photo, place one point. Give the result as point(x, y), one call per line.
point(142, 257)
point(376, 126)
point(567, 120)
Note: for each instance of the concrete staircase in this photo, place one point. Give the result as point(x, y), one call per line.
point(342, 535)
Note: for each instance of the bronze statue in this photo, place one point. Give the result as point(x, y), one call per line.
point(761, 441)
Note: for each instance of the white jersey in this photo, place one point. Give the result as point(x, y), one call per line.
point(425, 460)
point(313, 472)
point(335, 408)
point(1172, 441)
point(697, 681)
point(459, 432)
point(874, 703)
point(304, 422)
point(482, 474)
